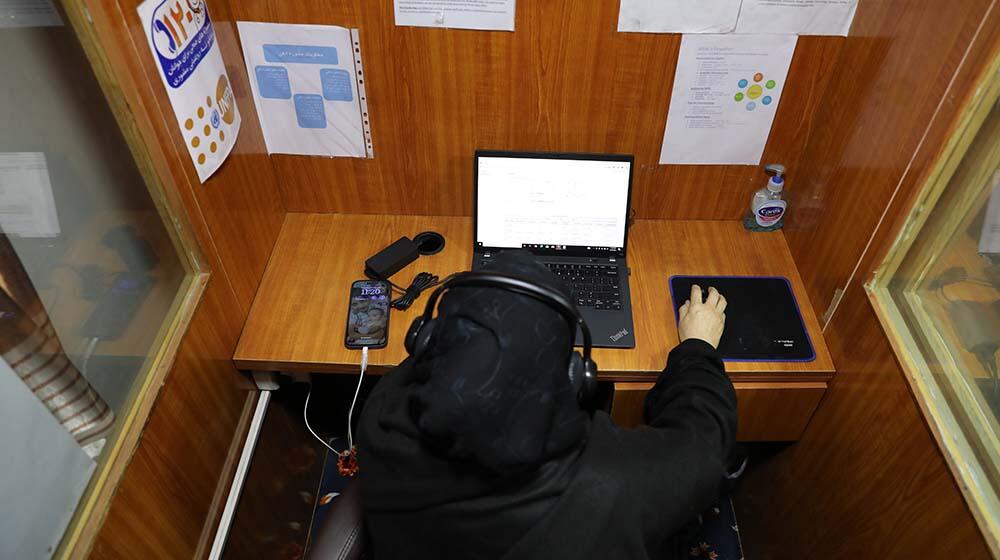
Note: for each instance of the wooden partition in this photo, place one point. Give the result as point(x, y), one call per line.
point(170, 496)
point(858, 118)
point(565, 80)
point(867, 479)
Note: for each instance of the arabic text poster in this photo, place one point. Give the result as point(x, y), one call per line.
point(726, 91)
point(801, 17)
point(306, 88)
point(182, 40)
point(484, 15)
point(678, 16)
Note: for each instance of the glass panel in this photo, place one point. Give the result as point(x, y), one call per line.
point(941, 293)
point(90, 279)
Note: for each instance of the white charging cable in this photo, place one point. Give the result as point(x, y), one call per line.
point(364, 366)
point(350, 413)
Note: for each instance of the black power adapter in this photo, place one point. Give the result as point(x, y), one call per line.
point(397, 256)
point(392, 259)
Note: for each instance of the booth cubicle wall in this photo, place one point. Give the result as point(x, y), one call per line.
point(860, 116)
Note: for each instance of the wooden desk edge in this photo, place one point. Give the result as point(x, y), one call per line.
point(251, 364)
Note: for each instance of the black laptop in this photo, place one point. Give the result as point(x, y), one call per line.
point(571, 212)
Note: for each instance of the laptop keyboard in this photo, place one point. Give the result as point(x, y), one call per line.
point(591, 285)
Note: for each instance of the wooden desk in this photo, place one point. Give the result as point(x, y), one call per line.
point(298, 317)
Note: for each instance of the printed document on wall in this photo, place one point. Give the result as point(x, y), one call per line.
point(484, 15)
point(182, 39)
point(307, 88)
point(27, 207)
point(28, 13)
point(801, 17)
point(989, 237)
point(726, 91)
point(678, 16)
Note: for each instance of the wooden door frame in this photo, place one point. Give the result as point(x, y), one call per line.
point(112, 56)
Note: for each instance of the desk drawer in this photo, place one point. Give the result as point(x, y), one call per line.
point(776, 411)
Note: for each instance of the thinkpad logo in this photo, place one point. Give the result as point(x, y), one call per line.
point(618, 335)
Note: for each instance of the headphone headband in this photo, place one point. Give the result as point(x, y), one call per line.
point(514, 284)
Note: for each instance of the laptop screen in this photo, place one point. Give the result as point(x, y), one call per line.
point(552, 203)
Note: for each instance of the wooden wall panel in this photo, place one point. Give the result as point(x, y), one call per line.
point(867, 480)
point(899, 65)
point(168, 501)
point(241, 204)
point(565, 80)
point(166, 495)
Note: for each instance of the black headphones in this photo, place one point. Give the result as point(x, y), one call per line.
point(582, 370)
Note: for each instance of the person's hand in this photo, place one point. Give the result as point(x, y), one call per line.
point(703, 321)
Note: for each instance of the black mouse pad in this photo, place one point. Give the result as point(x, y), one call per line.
point(763, 322)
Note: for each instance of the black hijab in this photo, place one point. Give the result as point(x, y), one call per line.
point(487, 404)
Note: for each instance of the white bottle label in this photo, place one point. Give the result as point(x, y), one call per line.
point(770, 212)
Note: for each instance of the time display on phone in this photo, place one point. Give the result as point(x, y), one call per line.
point(367, 291)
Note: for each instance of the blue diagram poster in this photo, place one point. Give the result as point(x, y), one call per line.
point(306, 85)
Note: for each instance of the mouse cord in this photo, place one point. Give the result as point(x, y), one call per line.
point(350, 413)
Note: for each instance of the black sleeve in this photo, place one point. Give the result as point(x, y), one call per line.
point(695, 389)
point(635, 488)
point(678, 460)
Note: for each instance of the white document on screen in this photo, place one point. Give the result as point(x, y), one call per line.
point(577, 203)
point(307, 86)
point(678, 16)
point(484, 15)
point(798, 17)
point(727, 89)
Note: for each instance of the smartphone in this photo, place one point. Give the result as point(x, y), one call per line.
point(368, 314)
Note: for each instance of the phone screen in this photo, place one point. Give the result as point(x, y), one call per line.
point(368, 316)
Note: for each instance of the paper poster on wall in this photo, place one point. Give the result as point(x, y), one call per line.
point(484, 15)
point(308, 87)
point(182, 40)
point(726, 92)
point(678, 16)
point(27, 208)
point(800, 17)
point(28, 13)
point(989, 236)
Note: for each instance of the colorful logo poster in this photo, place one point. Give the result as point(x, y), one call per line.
point(182, 40)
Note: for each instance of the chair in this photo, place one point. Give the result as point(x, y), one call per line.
point(342, 534)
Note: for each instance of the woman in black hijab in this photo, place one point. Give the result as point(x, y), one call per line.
point(479, 448)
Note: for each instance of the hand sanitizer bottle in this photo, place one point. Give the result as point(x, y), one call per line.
point(767, 208)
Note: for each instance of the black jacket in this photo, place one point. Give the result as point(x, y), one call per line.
point(620, 493)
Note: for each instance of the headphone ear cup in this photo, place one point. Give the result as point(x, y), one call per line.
point(410, 342)
point(423, 338)
point(588, 391)
point(577, 376)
